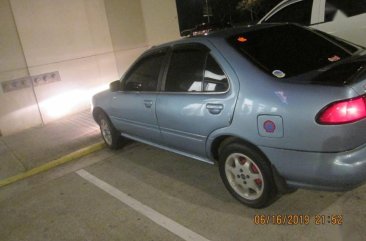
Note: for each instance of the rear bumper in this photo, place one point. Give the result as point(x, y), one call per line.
point(324, 171)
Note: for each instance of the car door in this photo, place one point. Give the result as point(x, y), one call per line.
point(133, 108)
point(196, 98)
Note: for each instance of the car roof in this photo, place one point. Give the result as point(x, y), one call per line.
point(220, 34)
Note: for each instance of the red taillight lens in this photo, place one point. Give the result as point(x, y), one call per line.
point(343, 112)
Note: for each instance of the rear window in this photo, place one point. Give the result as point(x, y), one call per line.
point(289, 50)
point(341, 74)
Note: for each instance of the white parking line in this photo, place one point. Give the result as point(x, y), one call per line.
point(148, 212)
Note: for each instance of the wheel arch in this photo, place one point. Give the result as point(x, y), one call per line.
point(96, 111)
point(219, 142)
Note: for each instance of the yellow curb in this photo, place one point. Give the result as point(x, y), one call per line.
point(62, 160)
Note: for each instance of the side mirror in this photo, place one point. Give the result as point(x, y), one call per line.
point(115, 86)
point(134, 86)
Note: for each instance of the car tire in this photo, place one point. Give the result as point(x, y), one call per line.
point(247, 175)
point(110, 135)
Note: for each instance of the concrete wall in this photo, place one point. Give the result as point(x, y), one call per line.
point(161, 20)
point(128, 33)
point(71, 37)
point(138, 25)
point(89, 42)
point(18, 109)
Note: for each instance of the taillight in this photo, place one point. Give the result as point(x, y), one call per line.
point(342, 112)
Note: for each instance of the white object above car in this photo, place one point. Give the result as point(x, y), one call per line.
point(344, 19)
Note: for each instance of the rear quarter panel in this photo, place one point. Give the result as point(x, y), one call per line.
point(297, 105)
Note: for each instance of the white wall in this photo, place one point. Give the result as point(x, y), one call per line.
point(89, 42)
point(161, 20)
point(71, 37)
point(127, 29)
point(18, 109)
point(137, 25)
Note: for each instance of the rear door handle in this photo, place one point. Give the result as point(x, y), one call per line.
point(148, 103)
point(214, 109)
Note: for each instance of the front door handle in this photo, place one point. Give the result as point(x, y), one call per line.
point(148, 103)
point(214, 109)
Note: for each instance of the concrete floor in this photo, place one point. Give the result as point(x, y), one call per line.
point(39, 145)
point(61, 205)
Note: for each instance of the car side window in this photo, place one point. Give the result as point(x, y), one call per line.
point(194, 70)
point(144, 75)
point(299, 12)
point(185, 72)
point(215, 79)
point(337, 9)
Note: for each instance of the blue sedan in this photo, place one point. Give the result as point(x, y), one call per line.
point(277, 107)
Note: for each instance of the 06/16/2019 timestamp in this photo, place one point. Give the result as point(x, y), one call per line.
point(298, 219)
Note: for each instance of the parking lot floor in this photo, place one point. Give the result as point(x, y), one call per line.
point(62, 205)
point(34, 147)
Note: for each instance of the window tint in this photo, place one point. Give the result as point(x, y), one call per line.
point(145, 74)
point(299, 12)
point(185, 73)
point(336, 9)
point(342, 43)
point(341, 74)
point(288, 50)
point(195, 70)
point(214, 78)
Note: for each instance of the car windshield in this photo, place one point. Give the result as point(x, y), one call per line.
point(289, 50)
